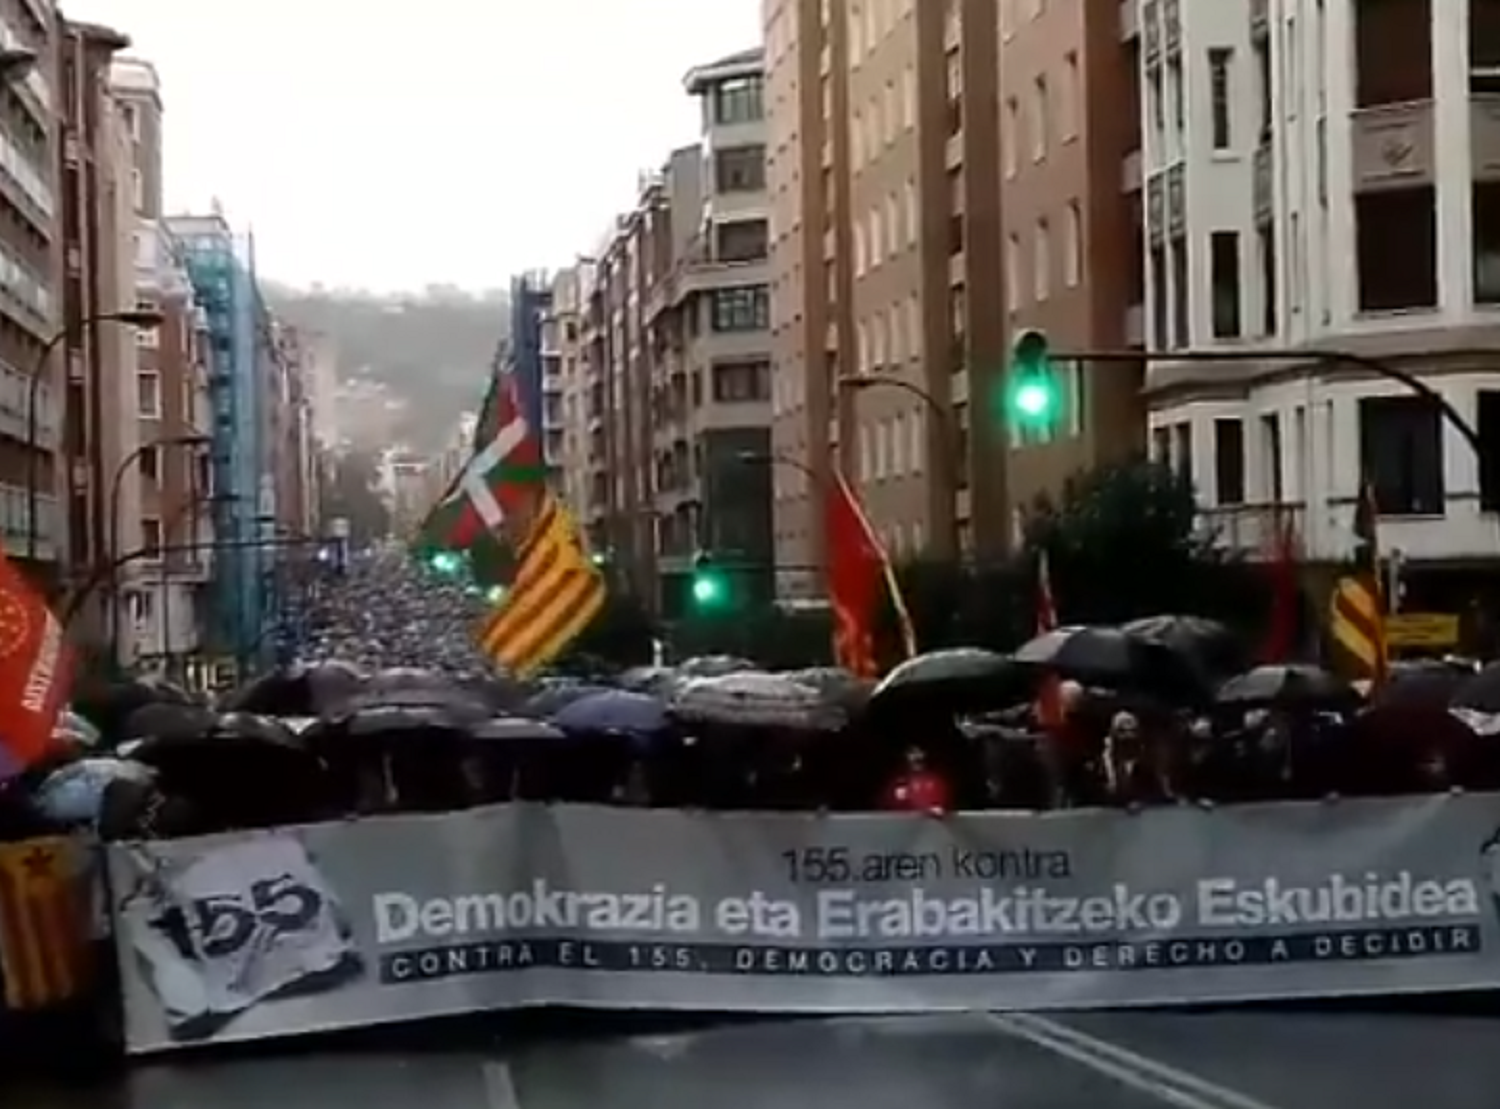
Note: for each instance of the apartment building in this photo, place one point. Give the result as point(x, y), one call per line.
point(885, 197)
point(98, 280)
point(1326, 174)
point(163, 595)
point(31, 255)
point(566, 399)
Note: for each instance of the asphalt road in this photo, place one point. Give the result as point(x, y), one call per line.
point(1211, 1060)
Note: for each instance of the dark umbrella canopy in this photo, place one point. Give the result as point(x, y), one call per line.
point(1114, 659)
point(960, 678)
point(1481, 692)
point(297, 691)
point(1421, 683)
point(614, 711)
point(1216, 648)
point(1288, 686)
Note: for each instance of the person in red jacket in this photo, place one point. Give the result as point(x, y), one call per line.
point(918, 787)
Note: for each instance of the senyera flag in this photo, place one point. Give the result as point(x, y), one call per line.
point(36, 669)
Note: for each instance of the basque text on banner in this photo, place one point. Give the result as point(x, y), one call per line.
point(344, 924)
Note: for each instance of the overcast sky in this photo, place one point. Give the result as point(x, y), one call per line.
point(443, 141)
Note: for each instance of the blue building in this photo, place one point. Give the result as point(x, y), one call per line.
point(530, 304)
point(221, 268)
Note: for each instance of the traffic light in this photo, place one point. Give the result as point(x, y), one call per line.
point(1032, 397)
point(446, 562)
point(710, 589)
point(495, 594)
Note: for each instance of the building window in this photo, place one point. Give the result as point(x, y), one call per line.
point(1013, 273)
point(1224, 260)
point(1272, 471)
point(1073, 245)
point(1396, 249)
point(1229, 462)
point(1042, 261)
point(1218, 83)
point(151, 541)
point(1161, 338)
point(1039, 115)
point(1489, 450)
point(148, 395)
point(1270, 290)
point(150, 463)
point(1010, 142)
point(741, 382)
point(740, 169)
point(739, 101)
point(1182, 331)
point(1068, 98)
point(743, 240)
point(1401, 454)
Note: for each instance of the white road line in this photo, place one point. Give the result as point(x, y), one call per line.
point(1140, 1072)
point(499, 1086)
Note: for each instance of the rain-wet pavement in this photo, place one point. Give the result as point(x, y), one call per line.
point(1248, 1059)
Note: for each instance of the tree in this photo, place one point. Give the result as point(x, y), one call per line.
point(352, 495)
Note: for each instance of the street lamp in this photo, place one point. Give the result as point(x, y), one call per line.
point(952, 464)
point(142, 319)
point(115, 486)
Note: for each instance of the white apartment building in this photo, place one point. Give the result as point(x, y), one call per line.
point(1326, 174)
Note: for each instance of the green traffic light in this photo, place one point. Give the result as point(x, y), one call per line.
point(446, 562)
point(708, 589)
point(1031, 396)
point(495, 594)
point(1033, 399)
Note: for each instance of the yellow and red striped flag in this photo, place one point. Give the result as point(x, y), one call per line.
point(556, 593)
point(44, 924)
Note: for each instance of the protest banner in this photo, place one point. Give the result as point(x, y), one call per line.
point(338, 925)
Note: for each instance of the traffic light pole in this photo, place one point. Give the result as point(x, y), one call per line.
point(1324, 356)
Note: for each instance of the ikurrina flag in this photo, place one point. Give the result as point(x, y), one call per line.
point(500, 487)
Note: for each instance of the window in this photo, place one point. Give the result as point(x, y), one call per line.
point(1229, 462)
point(740, 169)
point(150, 463)
point(1181, 319)
point(741, 100)
point(1272, 475)
point(1042, 262)
point(1401, 454)
point(1224, 262)
point(1218, 81)
point(913, 214)
point(148, 395)
point(1068, 99)
point(1489, 450)
point(151, 536)
point(1396, 249)
point(137, 190)
point(1269, 289)
point(1039, 114)
point(1182, 449)
point(744, 240)
point(909, 98)
point(1073, 245)
point(1010, 141)
point(741, 382)
point(742, 308)
point(1013, 273)
point(1160, 337)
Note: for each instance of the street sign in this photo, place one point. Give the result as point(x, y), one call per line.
point(1431, 631)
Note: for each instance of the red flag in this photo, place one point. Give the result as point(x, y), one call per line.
point(858, 575)
point(36, 669)
point(1049, 706)
point(1281, 637)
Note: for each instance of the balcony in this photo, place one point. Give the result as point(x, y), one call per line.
point(1393, 146)
point(1251, 530)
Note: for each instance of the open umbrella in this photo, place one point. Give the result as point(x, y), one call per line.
point(297, 691)
point(958, 679)
point(1424, 682)
point(1218, 650)
point(546, 703)
point(1481, 692)
point(1114, 659)
point(1286, 686)
point(758, 700)
point(614, 711)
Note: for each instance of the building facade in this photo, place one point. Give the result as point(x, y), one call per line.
point(164, 595)
point(219, 267)
point(100, 430)
point(1323, 174)
point(564, 373)
point(32, 122)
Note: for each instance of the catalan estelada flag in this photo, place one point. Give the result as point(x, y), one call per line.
point(859, 573)
point(556, 593)
point(44, 924)
point(1358, 610)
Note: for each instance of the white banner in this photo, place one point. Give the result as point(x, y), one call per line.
point(344, 924)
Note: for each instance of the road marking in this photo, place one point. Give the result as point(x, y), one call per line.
point(499, 1086)
point(1140, 1072)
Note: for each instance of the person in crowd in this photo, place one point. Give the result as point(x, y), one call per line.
point(918, 787)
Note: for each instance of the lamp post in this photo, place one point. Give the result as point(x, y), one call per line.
point(115, 487)
point(141, 319)
point(952, 472)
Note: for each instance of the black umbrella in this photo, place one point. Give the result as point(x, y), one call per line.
point(1217, 649)
point(1481, 692)
point(549, 701)
point(298, 691)
point(514, 729)
point(958, 679)
point(1288, 685)
point(108, 705)
point(1419, 683)
point(168, 721)
point(1114, 659)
